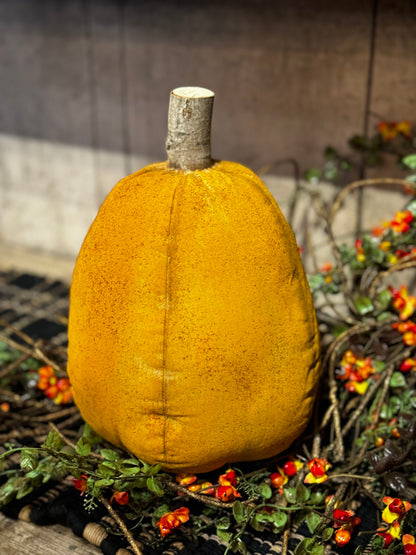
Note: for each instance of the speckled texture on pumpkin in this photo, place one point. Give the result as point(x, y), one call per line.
point(192, 333)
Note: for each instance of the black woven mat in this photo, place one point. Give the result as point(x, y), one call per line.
point(38, 307)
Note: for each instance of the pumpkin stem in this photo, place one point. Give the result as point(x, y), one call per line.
point(188, 144)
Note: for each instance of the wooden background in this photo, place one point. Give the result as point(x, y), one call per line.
point(84, 88)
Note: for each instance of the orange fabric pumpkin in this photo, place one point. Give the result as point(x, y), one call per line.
point(192, 333)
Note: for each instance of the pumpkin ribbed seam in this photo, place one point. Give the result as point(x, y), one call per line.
point(165, 326)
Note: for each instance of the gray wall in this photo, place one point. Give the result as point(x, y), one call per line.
point(84, 88)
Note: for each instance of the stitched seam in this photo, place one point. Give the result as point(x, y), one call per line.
point(165, 324)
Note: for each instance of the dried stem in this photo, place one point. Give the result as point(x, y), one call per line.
point(122, 526)
point(384, 182)
point(404, 264)
point(206, 499)
point(35, 352)
point(329, 362)
point(188, 144)
point(61, 435)
point(13, 365)
point(286, 536)
point(337, 255)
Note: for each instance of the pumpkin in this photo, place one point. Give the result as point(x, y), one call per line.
point(192, 333)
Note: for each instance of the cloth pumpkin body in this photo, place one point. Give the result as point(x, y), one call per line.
point(193, 340)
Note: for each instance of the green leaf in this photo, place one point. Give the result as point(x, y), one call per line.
point(302, 493)
point(224, 523)
point(68, 450)
point(411, 178)
point(379, 365)
point(153, 470)
point(110, 455)
point(154, 486)
point(105, 471)
point(410, 161)
point(330, 172)
point(377, 256)
point(28, 460)
point(384, 298)
point(377, 542)
point(90, 434)
point(345, 165)
point(327, 534)
point(130, 471)
point(312, 520)
point(309, 546)
point(35, 475)
point(411, 206)
point(279, 519)
point(290, 494)
point(385, 413)
point(241, 546)
point(359, 142)
point(161, 510)
point(338, 329)
point(313, 175)
point(83, 448)
point(364, 305)
point(257, 522)
point(395, 404)
point(53, 441)
point(6, 356)
point(25, 490)
point(316, 281)
point(359, 441)
point(397, 380)
point(383, 316)
point(317, 497)
point(358, 551)
point(330, 153)
point(108, 464)
point(239, 511)
point(140, 482)
point(104, 482)
point(223, 535)
point(134, 462)
point(265, 490)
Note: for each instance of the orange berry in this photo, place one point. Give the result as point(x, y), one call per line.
point(342, 536)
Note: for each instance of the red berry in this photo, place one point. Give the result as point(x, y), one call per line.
point(289, 468)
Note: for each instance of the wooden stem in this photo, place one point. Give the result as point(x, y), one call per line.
point(188, 144)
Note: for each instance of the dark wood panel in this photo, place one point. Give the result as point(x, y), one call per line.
point(288, 76)
point(45, 70)
point(394, 76)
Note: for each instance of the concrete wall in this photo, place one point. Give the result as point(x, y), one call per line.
point(84, 88)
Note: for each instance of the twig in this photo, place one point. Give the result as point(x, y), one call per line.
point(337, 255)
point(286, 536)
point(386, 382)
point(402, 265)
point(35, 352)
point(55, 415)
point(339, 494)
point(206, 499)
point(352, 476)
point(10, 367)
point(121, 524)
point(384, 182)
point(62, 436)
point(368, 395)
